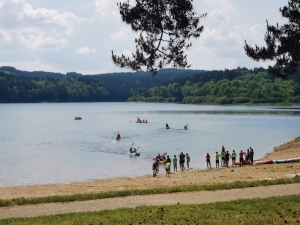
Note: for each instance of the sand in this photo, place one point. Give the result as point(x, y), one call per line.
point(189, 177)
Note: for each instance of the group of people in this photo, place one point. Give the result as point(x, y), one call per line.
point(141, 121)
point(225, 157)
point(182, 159)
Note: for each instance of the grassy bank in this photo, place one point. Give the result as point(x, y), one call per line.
point(112, 194)
point(275, 210)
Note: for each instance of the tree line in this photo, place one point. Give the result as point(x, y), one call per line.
point(22, 86)
point(226, 87)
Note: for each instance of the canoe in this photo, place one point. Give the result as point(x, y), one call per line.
point(258, 162)
point(288, 160)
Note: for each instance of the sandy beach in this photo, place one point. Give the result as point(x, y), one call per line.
point(287, 150)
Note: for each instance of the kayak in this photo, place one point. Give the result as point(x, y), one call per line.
point(258, 162)
point(288, 160)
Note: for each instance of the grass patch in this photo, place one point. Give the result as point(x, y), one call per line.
point(113, 194)
point(274, 210)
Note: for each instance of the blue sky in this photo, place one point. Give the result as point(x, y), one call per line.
point(78, 36)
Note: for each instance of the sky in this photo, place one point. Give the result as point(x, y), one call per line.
point(79, 35)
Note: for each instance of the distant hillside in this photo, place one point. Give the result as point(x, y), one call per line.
point(225, 87)
point(23, 86)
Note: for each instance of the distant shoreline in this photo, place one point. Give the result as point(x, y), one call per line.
point(289, 149)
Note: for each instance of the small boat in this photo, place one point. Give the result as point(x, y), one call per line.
point(162, 158)
point(258, 162)
point(78, 118)
point(135, 151)
point(288, 160)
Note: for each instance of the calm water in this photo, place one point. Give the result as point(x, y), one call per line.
point(42, 143)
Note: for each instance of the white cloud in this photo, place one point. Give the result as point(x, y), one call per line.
point(34, 42)
point(85, 51)
point(5, 36)
point(52, 17)
point(120, 35)
point(107, 8)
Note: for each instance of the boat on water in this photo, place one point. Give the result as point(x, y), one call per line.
point(141, 121)
point(134, 151)
point(78, 118)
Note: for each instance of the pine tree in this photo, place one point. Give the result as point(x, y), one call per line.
point(282, 43)
point(164, 28)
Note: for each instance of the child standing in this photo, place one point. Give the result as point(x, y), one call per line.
point(175, 163)
point(188, 159)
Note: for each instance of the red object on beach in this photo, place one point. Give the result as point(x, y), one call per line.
point(264, 162)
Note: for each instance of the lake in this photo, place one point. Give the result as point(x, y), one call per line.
point(42, 143)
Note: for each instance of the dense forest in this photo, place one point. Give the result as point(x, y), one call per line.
point(21, 86)
point(226, 87)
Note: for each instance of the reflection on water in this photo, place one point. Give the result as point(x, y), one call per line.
point(42, 143)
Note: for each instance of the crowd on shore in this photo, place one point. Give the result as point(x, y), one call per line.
point(245, 158)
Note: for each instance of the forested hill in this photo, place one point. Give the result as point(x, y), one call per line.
point(23, 86)
point(226, 87)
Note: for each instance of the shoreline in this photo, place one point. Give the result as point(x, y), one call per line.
point(290, 149)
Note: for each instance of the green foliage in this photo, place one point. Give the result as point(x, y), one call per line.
point(273, 210)
point(21, 86)
point(113, 194)
point(237, 86)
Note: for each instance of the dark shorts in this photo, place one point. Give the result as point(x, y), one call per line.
point(167, 170)
point(233, 158)
point(217, 161)
point(208, 160)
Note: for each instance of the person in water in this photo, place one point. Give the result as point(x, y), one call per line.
point(167, 126)
point(186, 126)
point(181, 161)
point(118, 135)
point(175, 163)
point(188, 159)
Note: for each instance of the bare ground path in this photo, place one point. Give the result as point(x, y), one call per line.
point(149, 200)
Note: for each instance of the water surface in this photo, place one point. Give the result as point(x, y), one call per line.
point(42, 143)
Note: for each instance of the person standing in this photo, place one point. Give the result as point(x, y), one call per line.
point(217, 160)
point(241, 157)
point(181, 161)
point(227, 156)
point(233, 157)
point(168, 168)
point(251, 156)
point(154, 168)
point(175, 163)
point(188, 159)
point(208, 161)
